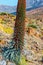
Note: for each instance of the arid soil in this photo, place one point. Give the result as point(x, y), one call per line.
point(33, 39)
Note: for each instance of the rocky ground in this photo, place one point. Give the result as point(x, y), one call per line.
point(33, 39)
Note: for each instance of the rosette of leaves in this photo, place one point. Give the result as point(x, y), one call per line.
point(12, 54)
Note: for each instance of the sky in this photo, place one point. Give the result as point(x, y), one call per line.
point(8, 2)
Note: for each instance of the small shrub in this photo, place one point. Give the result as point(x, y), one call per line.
point(3, 13)
point(32, 25)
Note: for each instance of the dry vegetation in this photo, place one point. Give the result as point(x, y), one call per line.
point(33, 47)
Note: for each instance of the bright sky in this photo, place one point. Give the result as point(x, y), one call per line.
point(8, 2)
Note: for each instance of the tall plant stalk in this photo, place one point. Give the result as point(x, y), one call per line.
point(19, 30)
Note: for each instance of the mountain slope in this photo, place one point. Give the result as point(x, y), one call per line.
point(29, 6)
point(34, 3)
point(36, 13)
point(9, 9)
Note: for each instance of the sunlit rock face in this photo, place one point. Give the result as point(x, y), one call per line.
point(34, 3)
point(3, 62)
